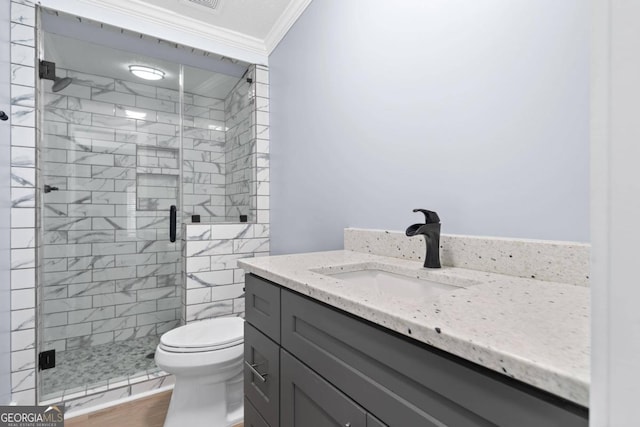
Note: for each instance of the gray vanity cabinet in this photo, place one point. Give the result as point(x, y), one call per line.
point(252, 417)
point(308, 400)
point(262, 374)
point(262, 306)
point(262, 351)
point(337, 369)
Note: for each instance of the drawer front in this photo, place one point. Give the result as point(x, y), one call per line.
point(373, 422)
point(262, 374)
point(251, 416)
point(262, 306)
point(402, 383)
point(307, 400)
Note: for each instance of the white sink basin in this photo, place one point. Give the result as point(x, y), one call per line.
point(393, 284)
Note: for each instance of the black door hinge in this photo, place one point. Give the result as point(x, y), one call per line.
point(47, 70)
point(47, 360)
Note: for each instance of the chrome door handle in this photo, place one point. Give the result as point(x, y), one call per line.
point(255, 371)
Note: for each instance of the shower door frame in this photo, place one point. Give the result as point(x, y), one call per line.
point(39, 234)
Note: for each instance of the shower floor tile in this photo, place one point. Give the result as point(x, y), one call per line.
point(96, 368)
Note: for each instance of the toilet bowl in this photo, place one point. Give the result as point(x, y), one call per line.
point(206, 359)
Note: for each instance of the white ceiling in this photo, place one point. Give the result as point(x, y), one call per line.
point(245, 30)
point(254, 18)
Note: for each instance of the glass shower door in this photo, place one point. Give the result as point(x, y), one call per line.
point(110, 170)
point(218, 147)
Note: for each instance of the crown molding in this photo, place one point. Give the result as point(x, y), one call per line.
point(284, 23)
point(163, 23)
point(166, 24)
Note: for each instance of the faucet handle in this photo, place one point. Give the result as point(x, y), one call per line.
point(430, 217)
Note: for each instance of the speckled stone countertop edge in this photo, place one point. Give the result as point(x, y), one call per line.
point(546, 260)
point(564, 377)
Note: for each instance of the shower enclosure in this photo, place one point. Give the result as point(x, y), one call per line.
point(132, 128)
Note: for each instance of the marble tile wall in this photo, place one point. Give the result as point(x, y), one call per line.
point(24, 194)
point(25, 161)
point(204, 138)
point(214, 282)
point(214, 285)
point(259, 201)
point(111, 147)
point(240, 149)
point(110, 273)
point(146, 124)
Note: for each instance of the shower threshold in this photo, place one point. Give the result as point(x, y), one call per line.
point(88, 370)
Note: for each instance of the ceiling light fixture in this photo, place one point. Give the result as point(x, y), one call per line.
point(211, 4)
point(147, 73)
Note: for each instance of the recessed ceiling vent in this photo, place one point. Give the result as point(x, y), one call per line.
point(211, 4)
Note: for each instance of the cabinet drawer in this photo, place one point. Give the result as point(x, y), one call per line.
point(373, 422)
point(251, 416)
point(308, 400)
point(262, 306)
point(262, 374)
point(406, 384)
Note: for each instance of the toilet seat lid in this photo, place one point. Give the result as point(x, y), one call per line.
point(205, 335)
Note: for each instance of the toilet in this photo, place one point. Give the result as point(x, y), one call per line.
point(206, 359)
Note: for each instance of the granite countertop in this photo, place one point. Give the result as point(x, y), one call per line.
point(532, 330)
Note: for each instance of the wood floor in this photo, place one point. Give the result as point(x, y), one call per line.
point(146, 412)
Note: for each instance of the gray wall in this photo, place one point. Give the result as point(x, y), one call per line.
point(478, 110)
point(5, 206)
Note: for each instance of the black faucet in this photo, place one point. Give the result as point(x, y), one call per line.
point(431, 233)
